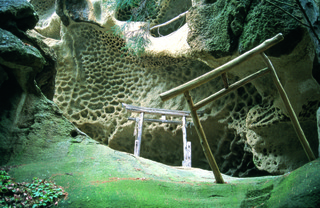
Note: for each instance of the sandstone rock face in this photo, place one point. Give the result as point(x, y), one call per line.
point(246, 129)
point(27, 66)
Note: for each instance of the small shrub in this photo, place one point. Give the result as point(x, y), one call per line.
point(39, 193)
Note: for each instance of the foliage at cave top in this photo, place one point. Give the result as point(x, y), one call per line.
point(137, 10)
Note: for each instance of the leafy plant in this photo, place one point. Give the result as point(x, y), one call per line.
point(139, 11)
point(137, 40)
point(39, 193)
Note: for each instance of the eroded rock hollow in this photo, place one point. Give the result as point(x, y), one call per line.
point(248, 130)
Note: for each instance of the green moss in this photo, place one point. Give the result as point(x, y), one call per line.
point(94, 175)
point(264, 21)
point(224, 27)
point(300, 188)
point(215, 28)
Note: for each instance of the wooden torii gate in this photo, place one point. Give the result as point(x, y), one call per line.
point(184, 88)
point(163, 112)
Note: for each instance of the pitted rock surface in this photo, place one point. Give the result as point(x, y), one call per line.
point(95, 76)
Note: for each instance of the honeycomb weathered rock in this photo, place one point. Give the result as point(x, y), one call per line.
point(95, 75)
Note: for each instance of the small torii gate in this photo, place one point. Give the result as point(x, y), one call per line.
point(184, 89)
point(163, 112)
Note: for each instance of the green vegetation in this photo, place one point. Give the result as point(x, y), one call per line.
point(137, 40)
point(134, 11)
point(39, 193)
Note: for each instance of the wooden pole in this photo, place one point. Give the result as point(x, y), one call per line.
point(232, 87)
point(203, 140)
point(220, 70)
point(168, 22)
point(225, 80)
point(184, 142)
point(292, 115)
point(137, 144)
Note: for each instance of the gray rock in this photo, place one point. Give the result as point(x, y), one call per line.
point(24, 60)
point(17, 12)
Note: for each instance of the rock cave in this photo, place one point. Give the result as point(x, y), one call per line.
point(67, 66)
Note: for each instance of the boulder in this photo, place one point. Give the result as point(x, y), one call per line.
point(23, 60)
point(19, 13)
point(215, 27)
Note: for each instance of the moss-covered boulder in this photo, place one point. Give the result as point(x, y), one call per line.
point(14, 52)
point(266, 19)
point(222, 28)
point(215, 27)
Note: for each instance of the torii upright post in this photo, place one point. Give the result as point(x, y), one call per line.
point(203, 140)
point(220, 71)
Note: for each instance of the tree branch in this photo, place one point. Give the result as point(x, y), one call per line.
point(308, 20)
point(294, 17)
point(168, 22)
point(290, 5)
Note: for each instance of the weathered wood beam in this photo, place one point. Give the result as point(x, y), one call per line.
point(157, 120)
point(203, 140)
point(231, 88)
point(186, 151)
point(225, 80)
point(139, 135)
point(158, 111)
point(170, 21)
point(302, 138)
point(222, 69)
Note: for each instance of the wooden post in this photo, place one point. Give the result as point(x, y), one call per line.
point(137, 144)
point(189, 153)
point(225, 80)
point(186, 159)
point(203, 140)
point(287, 104)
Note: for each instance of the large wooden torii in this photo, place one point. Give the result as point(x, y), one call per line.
point(184, 88)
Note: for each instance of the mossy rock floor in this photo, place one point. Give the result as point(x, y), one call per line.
point(97, 176)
